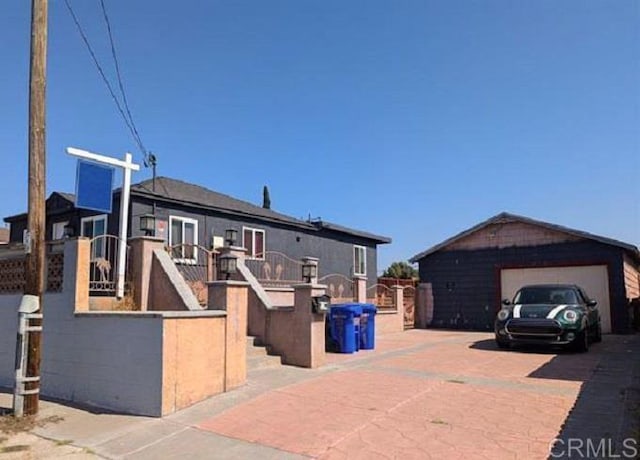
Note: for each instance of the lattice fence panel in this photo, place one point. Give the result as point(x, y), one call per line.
point(12, 278)
point(55, 270)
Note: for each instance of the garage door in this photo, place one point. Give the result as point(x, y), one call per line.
point(594, 279)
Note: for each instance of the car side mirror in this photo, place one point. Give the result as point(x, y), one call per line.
point(506, 302)
point(592, 303)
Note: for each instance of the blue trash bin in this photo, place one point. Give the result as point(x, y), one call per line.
point(368, 326)
point(345, 326)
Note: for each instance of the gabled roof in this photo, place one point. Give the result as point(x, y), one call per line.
point(505, 217)
point(361, 234)
point(178, 191)
point(181, 192)
point(69, 197)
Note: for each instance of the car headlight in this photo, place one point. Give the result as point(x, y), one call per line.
point(570, 316)
point(503, 314)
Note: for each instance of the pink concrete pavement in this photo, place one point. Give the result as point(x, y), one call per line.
point(420, 394)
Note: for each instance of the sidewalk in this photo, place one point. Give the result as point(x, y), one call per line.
point(420, 393)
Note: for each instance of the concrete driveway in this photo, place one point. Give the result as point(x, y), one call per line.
point(420, 394)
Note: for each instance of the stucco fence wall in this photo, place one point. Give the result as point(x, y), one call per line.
point(144, 363)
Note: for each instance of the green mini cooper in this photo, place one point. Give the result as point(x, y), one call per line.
point(550, 314)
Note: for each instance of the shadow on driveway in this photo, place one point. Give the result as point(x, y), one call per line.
point(604, 421)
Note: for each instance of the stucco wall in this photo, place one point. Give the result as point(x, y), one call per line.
point(110, 361)
point(122, 361)
point(193, 361)
point(631, 277)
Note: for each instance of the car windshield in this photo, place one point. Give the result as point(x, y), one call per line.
point(545, 295)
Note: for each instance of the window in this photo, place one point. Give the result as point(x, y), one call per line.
point(253, 242)
point(183, 237)
point(359, 260)
point(58, 230)
point(93, 227)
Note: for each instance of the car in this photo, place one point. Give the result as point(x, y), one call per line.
point(549, 314)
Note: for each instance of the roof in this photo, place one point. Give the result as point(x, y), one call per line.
point(70, 197)
point(506, 217)
point(178, 191)
point(362, 234)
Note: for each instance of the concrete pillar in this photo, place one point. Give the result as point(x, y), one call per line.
point(397, 292)
point(424, 305)
point(232, 296)
point(76, 271)
point(360, 289)
point(308, 345)
point(140, 262)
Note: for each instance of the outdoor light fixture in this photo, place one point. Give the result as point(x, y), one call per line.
point(228, 265)
point(230, 236)
point(69, 231)
point(148, 224)
point(309, 272)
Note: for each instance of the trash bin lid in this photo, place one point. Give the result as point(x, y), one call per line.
point(352, 308)
point(369, 308)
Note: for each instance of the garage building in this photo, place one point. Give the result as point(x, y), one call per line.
point(464, 278)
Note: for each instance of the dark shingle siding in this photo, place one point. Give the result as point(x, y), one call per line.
point(476, 277)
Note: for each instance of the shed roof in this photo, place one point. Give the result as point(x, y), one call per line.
point(506, 217)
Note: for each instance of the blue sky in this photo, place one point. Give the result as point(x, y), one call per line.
point(411, 119)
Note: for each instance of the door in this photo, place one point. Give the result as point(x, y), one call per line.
point(594, 279)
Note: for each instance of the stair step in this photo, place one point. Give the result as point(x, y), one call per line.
point(262, 362)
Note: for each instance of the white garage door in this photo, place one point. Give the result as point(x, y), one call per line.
point(594, 279)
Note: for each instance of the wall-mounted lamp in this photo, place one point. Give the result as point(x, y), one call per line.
point(309, 272)
point(228, 265)
point(148, 224)
point(69, 231)
point(230, 236)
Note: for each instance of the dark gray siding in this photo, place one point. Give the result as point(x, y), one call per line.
point(334, 249)
point(466, 284)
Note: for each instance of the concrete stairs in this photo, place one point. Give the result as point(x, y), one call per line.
point(258, 357)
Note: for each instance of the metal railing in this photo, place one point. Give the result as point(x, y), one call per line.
point(103, 264)
point(409, 303)
point(197, 265)
point(381, 296)
point(339, 287)
point(276, 269)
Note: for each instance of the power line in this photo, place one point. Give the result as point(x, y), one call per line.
point(132, 130)
point(120, 84)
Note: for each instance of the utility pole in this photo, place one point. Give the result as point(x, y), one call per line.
point(35, 262)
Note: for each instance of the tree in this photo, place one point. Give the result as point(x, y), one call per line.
point(400, 270)
point(266, 199)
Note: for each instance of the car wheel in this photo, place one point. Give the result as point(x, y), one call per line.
point(598, 335)
point(581, 343)
point(503, 344)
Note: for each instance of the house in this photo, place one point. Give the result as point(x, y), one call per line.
point(188, 214)
point(4, 235)
point(466, 276)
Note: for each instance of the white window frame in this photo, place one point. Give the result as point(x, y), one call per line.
point(184, 220)
point(364, 260)
point(59, 225)
point(253, 237)
point(93, 219)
